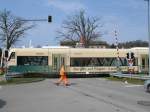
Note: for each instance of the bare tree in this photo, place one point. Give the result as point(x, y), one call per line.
point(80, 26)
point(11, 28)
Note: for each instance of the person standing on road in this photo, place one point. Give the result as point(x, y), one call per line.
point(63, 77)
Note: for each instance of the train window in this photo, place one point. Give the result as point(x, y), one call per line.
point(32, 60)
point(62, 61)
point(143, 62)
point(123, 61)
point(97, 61)
point(12, 56)
point(55, 62)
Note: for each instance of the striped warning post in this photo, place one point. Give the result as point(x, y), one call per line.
point(116, 42)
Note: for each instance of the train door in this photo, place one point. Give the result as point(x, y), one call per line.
point(57, 61)
point(145, 63)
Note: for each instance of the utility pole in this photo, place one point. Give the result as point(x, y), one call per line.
point(148, 28)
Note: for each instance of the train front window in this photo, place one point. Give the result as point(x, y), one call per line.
point(32, 60)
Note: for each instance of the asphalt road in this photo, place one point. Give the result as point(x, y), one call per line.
point(84, 95)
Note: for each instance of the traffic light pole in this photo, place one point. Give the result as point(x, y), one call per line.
point(148, 27)
point(34, 20)
point(49, 19)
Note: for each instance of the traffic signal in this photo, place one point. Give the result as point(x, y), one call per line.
point(49, 18)
point(127, 55)
point(132, 55)
point(6, 53)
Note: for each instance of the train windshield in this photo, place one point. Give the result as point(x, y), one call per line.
point(32, 60)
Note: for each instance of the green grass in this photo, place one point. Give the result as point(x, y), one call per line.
point(130, 80)
point(20, 81)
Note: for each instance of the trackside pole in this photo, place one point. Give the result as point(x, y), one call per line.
point(117, 48)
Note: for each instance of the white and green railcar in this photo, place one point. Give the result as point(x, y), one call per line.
point(76, 60)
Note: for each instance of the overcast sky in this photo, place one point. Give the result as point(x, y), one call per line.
point(128, 17)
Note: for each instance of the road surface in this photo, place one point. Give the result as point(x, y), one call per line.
point(84, 95)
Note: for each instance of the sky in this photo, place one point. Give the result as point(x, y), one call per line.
point(127, 17)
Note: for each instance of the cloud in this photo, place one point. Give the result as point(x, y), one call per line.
point(66, 6)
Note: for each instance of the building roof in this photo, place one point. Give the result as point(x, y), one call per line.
point(73, 43)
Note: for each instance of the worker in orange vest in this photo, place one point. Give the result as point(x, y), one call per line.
point(63, 77)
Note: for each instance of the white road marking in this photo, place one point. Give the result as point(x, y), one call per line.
point(0, 87)
point(133, 85)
